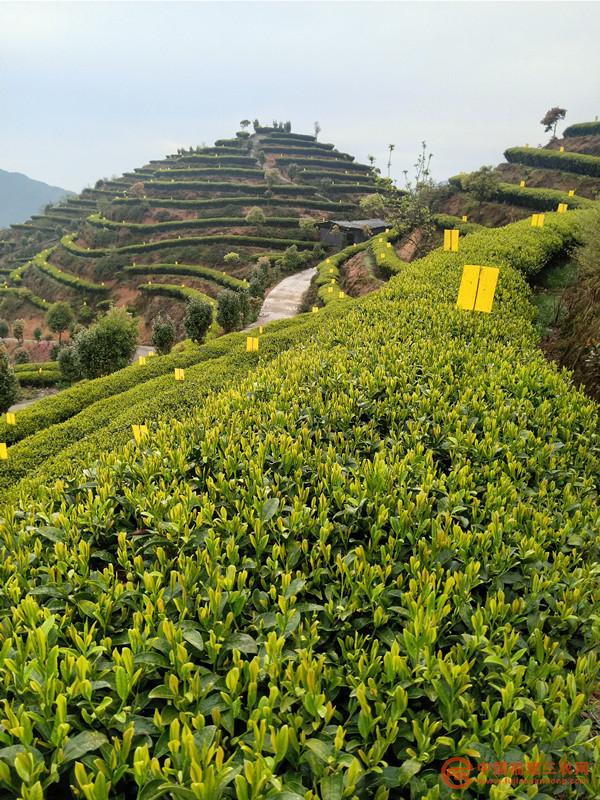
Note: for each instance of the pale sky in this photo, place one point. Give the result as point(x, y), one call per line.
point(93, 89)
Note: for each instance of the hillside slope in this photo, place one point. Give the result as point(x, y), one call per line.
point(20, 197)
point(372, 553)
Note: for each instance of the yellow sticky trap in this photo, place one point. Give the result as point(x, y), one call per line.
point(451, 241)
point(11, 418)
point(561, 149)
point(465, 218)
point(488, 279)
point(477, 288)
point(252, 344)
point(330, 290)
point(260, 328)
point(142, 360)
point(3, 451)
point(341, 294)
point(151, 354)
point(537, 220)
point(179, 374)
point(522, 184)
point(315, 309)
point(139, 431)
point(562, 207)
point(571, 192)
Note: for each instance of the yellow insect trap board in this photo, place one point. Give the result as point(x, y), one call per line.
point(562, 208)
point(252, 344)
point(522, 184)
point(451, 241)
point(464, 217)
point(179, 374)
point(571, 192)
point(3, 451)
point(537, 220)
point(11, 418)
point(139, 431)
point(477, 288)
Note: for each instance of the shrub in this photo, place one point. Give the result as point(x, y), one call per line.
point(8, 383)
point(255, 216)
point(59, 318)
point(198, 319)
point(19, 330)
point(37, 334)
point(21, 356)
point(163, 334)
point(307, 224)
point(583, 129)
point(373, 205)
point(68, 364)
point(4, 329)
point(107, 345)
point(228, 310)
point(232, 258)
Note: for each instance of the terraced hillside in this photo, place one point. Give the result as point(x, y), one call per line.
point(537, 179)
point(199, 219)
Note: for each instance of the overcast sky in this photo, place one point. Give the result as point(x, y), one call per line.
point(90, 90)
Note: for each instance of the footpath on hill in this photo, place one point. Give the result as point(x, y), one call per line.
point(285, 298)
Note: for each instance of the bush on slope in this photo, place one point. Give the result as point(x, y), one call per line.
point(371, 555)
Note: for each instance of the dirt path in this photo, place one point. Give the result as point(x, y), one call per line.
point(284, 299)
point(30, 400)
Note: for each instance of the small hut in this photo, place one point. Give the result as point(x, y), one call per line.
point(340, 233)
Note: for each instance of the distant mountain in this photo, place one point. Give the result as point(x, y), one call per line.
point(20, 197)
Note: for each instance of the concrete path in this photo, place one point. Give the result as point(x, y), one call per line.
point(284, 298)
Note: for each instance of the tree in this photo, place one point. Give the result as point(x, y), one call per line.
point(8, 383)
point(107, 345)
point(482, 184)
point(198, 319)
point(373, 204)
point(551, 119)
point(19, 330)
point(317, 130)
point(293, 170)
point(21, 356)
point(4, 329)
point(59, 318)
point(307, 224)
point(255, 216)
point(244, 124)
point(228, 310)
point(163, 334)
point(271, 176)
point(391, 148)
point(68, 364)
point(287, 127)
point(37, 334)
point(231, 258)
point(256, 124)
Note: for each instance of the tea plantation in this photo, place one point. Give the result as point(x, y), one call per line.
point(325, 568)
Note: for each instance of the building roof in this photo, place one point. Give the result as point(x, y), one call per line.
point(359, 223)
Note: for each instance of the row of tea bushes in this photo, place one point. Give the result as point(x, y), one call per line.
point(41, 263)
point(539, 199)
point(306, 203)
point(194, 270)
point(553, 159)
point(97, 220)
point(451, 222)
point(374, 553)
point(25, 294)
point(583, 129)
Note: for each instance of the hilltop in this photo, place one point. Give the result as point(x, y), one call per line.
point(20, 197)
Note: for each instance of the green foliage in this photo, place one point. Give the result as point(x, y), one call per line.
point(107, 345)
point(371, 554)
point(229, 311)
point(553, 159)
point(4, 329)
point(304, 202)
point(198, 319)
point(539, 199)
point(8, 383)
point(21, 356)
point(19, 330)
point(59, 318)
point(22, 293)
point(255, 216)
point(231, 258)
point(163, 334)
point(482, 184)
point(448, 221)
point(373, 205)
point(37, 334)
point(583, 129)
point(40, 262)
point(197, 271)
point(68, 364)
point(202, 222)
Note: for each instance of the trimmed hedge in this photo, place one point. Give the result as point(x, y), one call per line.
point(35, 378)
point(336, 163)
point(552, 159)
point(195, 270)
point(99, 221)
point(449, 221)
point(385, 255)
point(183, 241)
point(40, 262)
point(242, 172)
point(583, 129)
point(539, 199)
point(25, 294)
point(184, 293)
point(375, 553)
point(218, 202)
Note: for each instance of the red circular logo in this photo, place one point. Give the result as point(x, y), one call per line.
point(456, 772)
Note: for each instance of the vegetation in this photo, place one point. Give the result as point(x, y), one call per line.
point(8, 383)
point(553, 159)
point(163, 334)
point(551, 119)
point(583, 129)
point(106, 346)
point(59, 318)
point(198, 319)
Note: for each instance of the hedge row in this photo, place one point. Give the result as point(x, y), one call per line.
point(195, 270)
point(183, 241)
point(97, 220)
point(539, 199)
point(304, 202)
point(280, 188)
point(35, 378)
point(45, 366)
point(105, 420)
point(373, 554)
point(25, 294)
point(286, 144)
point(385, 255)
point(279, 134)
point(40, 262)
point(242, 172)
point(449, 221)
point(335, 162)
point(328, 272)
point(553, 159)
point(238, 161)
point(183, 293)
point(583, 129)
point(334, 175)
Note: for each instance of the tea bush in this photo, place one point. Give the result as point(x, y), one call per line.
point(195, 270)
point(583, 129)
point(203, 222)
point(553, 159)
point(373, 553)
